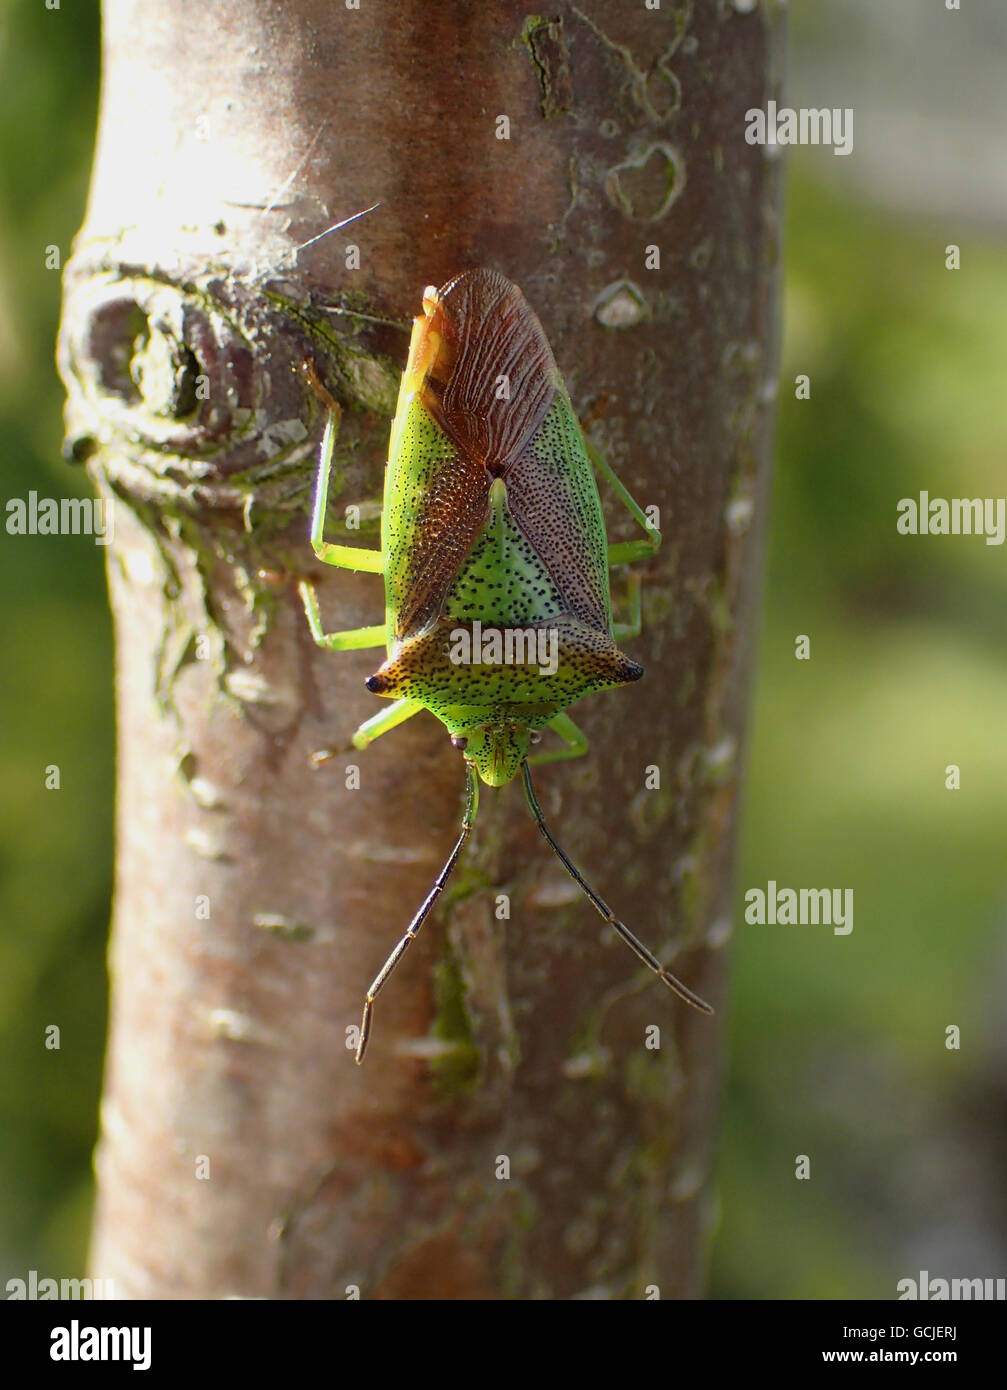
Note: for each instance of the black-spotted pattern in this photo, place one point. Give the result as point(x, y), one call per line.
point(492, 516)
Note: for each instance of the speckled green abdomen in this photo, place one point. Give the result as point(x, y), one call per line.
point(496, 582)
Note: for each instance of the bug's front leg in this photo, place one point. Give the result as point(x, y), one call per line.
point(574, 738)
point(378, 724)
point(409, 936)
point(354, 639)
point(642, 952)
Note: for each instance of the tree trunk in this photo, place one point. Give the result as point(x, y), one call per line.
point(242, 1152)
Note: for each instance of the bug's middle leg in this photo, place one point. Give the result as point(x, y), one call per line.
point(632, 628)
point(351, 639)
point(625, 552)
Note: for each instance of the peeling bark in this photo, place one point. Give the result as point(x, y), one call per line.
point(241, 1150)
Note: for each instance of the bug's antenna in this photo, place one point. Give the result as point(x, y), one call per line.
point(635, 945)
point(468, 820)
point(334, 228)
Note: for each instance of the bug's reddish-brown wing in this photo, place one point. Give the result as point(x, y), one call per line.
point(482, 368)
point(494, 377)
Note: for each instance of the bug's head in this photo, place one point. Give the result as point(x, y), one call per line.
point(497, 748)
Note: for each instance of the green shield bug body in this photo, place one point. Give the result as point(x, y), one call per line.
point(495, 560)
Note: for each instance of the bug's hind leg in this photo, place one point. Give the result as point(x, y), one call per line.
point(350, 557)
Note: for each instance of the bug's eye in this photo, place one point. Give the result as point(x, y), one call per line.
point(534, 736)
point(460, 743)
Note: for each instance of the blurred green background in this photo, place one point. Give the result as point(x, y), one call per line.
point(838, 1043)
point(55, 659)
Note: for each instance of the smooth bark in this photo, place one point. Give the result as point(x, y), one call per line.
point(242, 1152)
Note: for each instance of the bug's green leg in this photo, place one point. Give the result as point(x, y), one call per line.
point(385, 720)
point(350, 557)
point(468, 820)
point(633, 628)
point(625, 552)
point(634, 943)
point(350, 640)
point(371, 729)
point(573, 737)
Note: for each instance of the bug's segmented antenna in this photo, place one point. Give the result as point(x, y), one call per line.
point(468, 820)
point(634, 944)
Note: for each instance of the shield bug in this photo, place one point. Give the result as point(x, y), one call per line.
point(498, 612)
